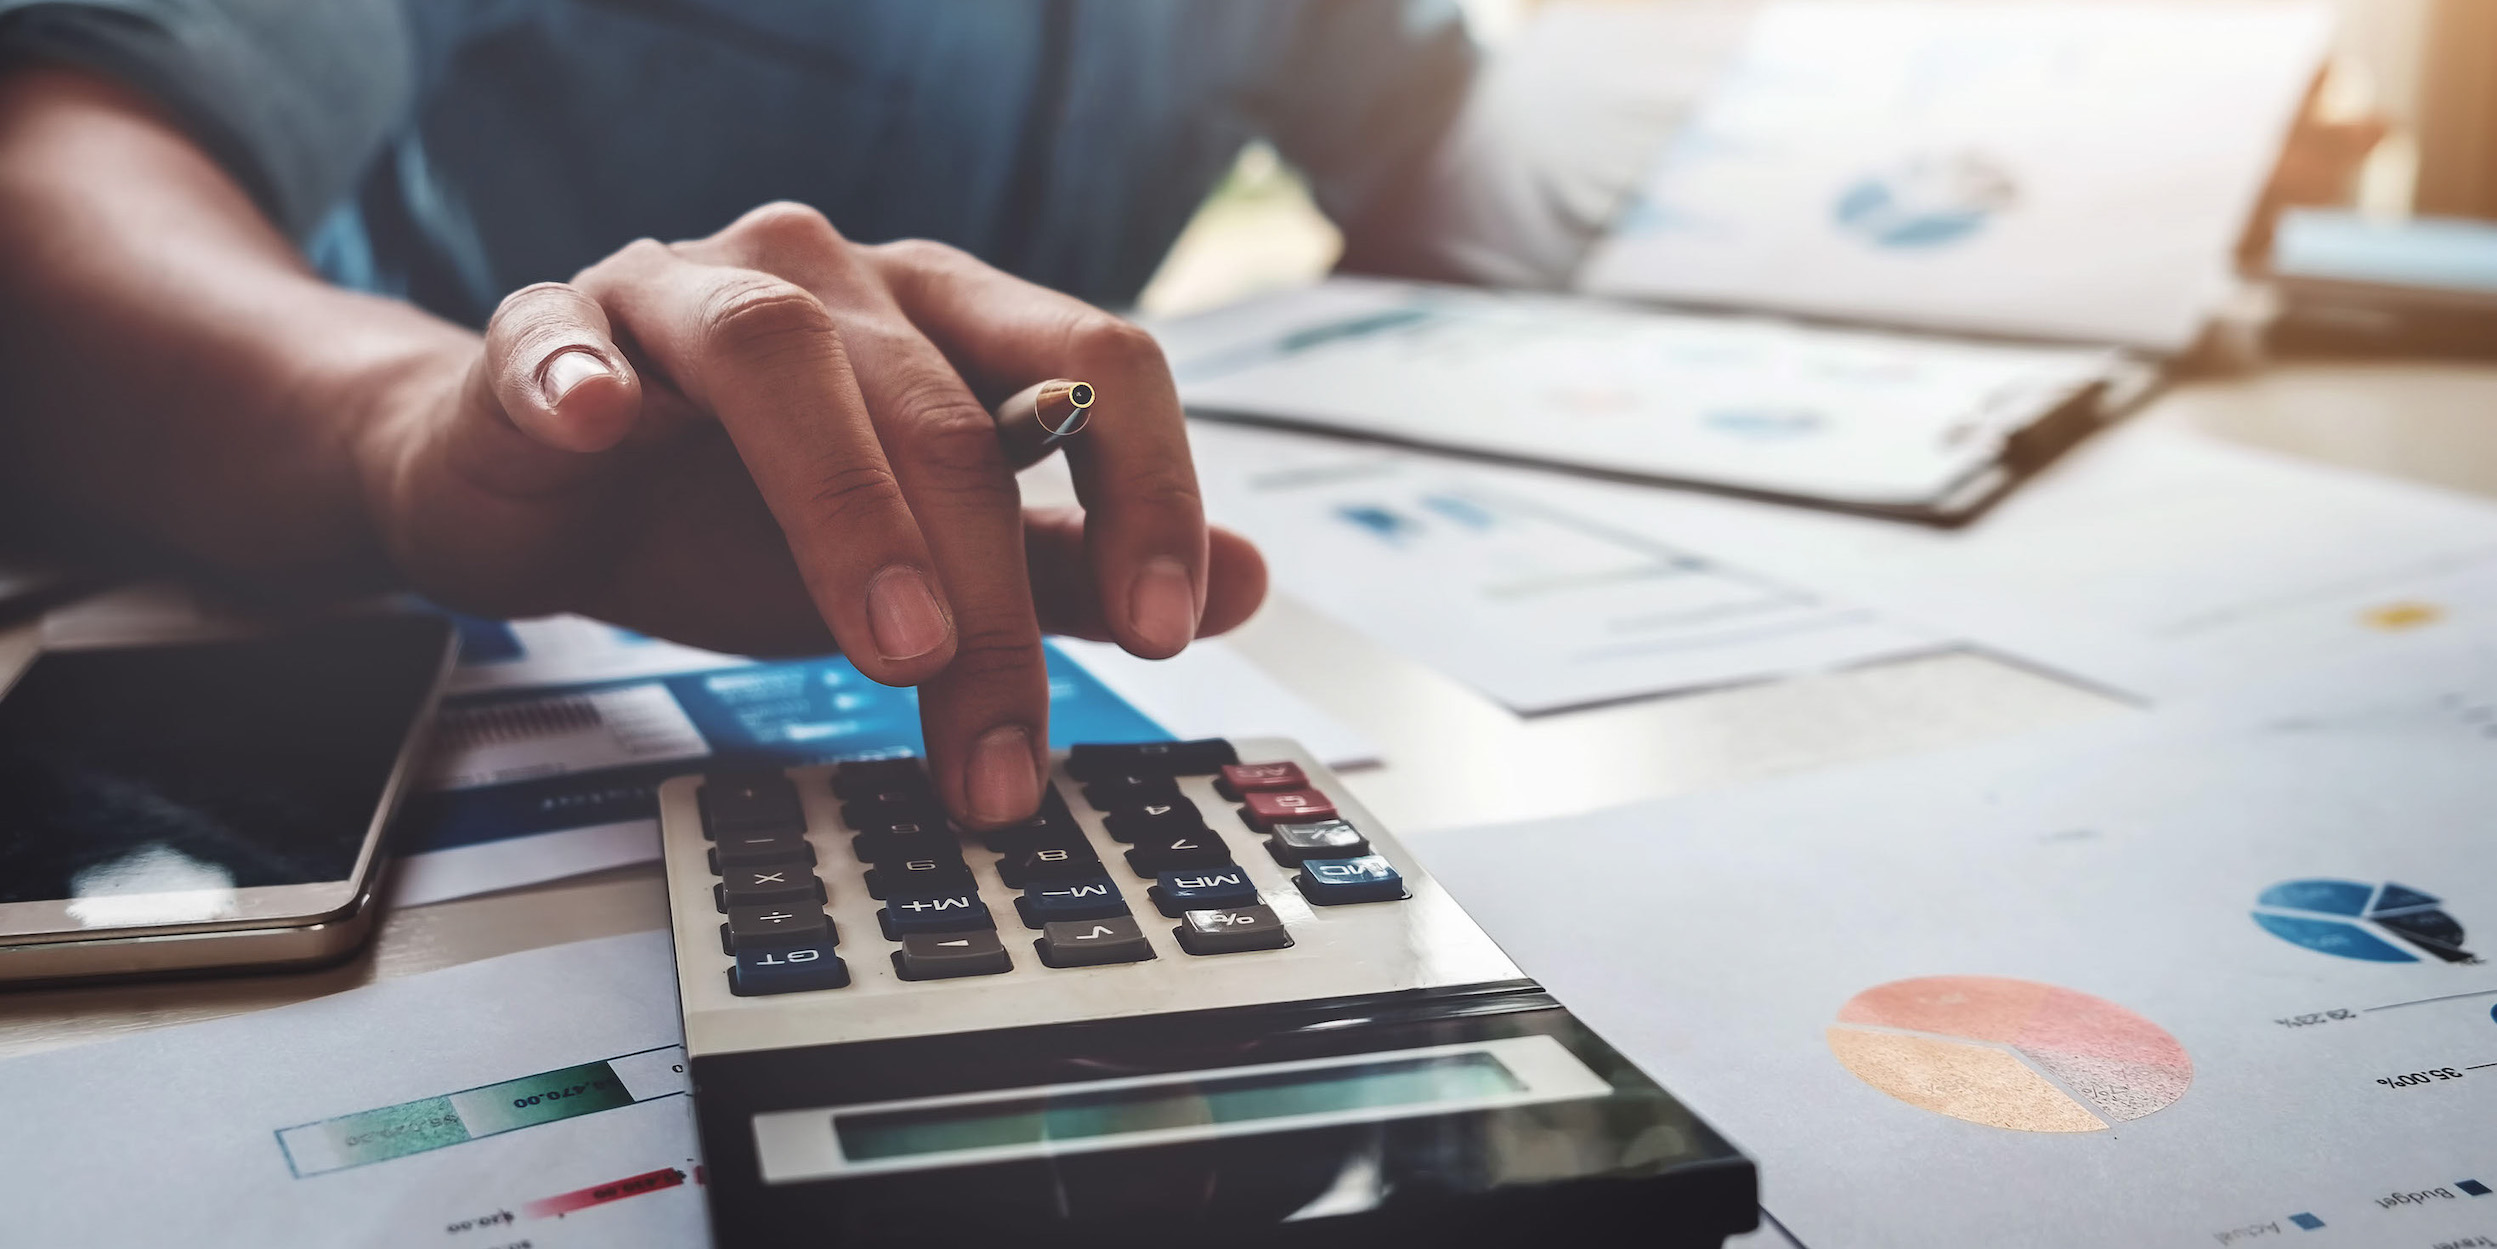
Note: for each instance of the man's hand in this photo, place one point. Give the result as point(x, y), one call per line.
point(740, 440)
point(767, 440)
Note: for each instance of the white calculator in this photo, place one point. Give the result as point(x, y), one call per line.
point(1203, 998)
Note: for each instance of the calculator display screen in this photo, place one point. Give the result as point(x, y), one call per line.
point(197, 769)
point(1081, 1114)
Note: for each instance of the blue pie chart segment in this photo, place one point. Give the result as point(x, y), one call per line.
point(2333, 936)
point(2330, 897)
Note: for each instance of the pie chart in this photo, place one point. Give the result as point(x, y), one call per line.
point(2354, 919)
point(2010, 1053)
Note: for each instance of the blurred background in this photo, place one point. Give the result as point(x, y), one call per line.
point(2424, 70)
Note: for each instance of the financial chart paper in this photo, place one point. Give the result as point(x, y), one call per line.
point(2060, 170)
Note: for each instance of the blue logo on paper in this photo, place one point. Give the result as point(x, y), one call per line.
point(1926, 201)
point(2350, 919)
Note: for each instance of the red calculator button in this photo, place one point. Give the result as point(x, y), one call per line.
point(1289, 806)
point(1247, 778)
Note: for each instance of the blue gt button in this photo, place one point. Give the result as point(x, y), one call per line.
point(1333, 882)
point(1203, 889)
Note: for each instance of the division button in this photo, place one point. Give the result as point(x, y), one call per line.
point(771, 927)
point(749, 802)
point(1197, 758)
point(1333, 882)
point(1230, 930)
point(1288, 806)
point(1245, 778)
point(1180, 892)
point(960, 911)
point(1120, 791)
point(1068, 861)
point(1156, 855)
point(1175, 818)
point(787, 971)
point(1324, 839)
point(744, 848)
point(1048, 902)
point(1091, 942)
point(767, 884)
point(940, 955)
point(917, 878)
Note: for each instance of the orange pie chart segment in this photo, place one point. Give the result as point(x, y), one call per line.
point(2010, 1053)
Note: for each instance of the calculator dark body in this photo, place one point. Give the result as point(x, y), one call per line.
point(1385, 1078)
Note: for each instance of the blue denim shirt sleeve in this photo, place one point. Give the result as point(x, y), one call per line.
point(294, 98)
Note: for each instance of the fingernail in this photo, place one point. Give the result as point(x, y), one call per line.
point(1162, 605)
point(902, 609)
point(1002, 785)
point(567, 369)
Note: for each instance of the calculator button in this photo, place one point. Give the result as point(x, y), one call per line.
point(750, 802)
point(1231, 930)
point(959, 911)
point(851, 781)
point(1197, 758)
point(917, 878)
point(1127, 789)
point(1156, 855)
point(1325, 839)
point(771, 927)
point(787, 971)
point(739, 848)
point(1052, 825)
point(1243, 778)
point(884, 808)
point(939, 955)
point(1292, 806)
point(1091, 942)
point(905, 841)
point(767, 884)
point(1333, 882)
point(1156, 819)
point(1179, 892)
point(1069, 861)
point(1048, 902)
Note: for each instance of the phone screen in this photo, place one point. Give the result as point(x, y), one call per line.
point(208, 765)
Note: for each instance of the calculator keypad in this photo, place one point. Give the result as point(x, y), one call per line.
point(911, 859)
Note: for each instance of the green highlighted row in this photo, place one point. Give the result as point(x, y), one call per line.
point(433, 1122)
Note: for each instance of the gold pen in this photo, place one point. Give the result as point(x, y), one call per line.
point(1034, 422)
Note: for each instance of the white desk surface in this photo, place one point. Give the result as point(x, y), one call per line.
point(1453, 757)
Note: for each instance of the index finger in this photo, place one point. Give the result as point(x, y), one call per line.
point(1145, 522)
point(762, 355)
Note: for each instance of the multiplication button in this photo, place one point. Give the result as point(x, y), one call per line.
point(1231, 930)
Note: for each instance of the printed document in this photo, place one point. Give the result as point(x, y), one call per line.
point(1878, 421)
point(533, 1099)
point(2215, 975)
point(2051, 168)
point(2064, 169)
point(1540, 602)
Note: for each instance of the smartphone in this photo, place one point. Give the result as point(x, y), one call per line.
point(184, 806)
